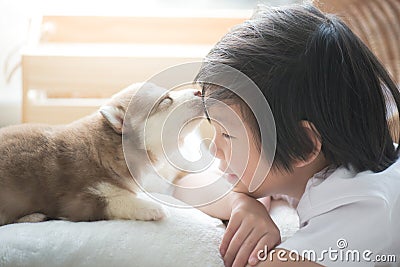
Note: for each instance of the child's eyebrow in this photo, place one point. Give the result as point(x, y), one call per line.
point(204, 105)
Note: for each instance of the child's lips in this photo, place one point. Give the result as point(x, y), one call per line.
point(231, 178)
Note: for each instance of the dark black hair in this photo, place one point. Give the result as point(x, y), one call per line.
point(311, 66)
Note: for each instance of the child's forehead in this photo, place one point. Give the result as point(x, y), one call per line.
point(229, 115)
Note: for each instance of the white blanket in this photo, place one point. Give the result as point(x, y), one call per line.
point(187, 237)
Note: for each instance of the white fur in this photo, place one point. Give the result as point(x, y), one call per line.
point(34, 217)
point(180, 114)
point(122, 204)
point(154, 126)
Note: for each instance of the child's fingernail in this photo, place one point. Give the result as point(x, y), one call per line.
point(222, 251)
point(252, 261)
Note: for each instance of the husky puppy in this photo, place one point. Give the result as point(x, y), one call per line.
point(78, 171)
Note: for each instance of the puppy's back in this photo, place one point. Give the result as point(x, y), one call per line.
point(23, 145)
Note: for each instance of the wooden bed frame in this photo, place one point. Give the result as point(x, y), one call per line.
point(377, 23)
point(73, 63)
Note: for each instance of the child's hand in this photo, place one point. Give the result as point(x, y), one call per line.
point(249, 230)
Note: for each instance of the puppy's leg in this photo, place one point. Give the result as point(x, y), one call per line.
point(130, 207)
point(122, 204)
point(34, 217)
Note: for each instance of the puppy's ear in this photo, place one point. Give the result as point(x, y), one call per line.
point(114, 116)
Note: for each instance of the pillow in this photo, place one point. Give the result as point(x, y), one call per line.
point(186, 237)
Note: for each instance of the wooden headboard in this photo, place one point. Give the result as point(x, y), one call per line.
point(72, 64)
point(377, 23)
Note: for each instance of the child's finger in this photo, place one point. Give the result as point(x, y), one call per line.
point(235, 244)
point(246, 249)
point(230, 231)
point(266, 243)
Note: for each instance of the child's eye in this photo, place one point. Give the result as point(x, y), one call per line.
point(225, 135)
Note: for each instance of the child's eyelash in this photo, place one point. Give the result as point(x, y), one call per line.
point(227, 135)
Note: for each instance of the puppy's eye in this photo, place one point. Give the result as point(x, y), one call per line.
point(166, 101)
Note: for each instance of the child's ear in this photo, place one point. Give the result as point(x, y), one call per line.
point(114, 116)
point(313, 135)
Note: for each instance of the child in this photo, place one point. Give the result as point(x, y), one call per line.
point(334, 152)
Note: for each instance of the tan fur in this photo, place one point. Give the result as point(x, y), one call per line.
point(76, 171)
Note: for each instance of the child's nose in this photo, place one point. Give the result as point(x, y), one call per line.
point(215, 151)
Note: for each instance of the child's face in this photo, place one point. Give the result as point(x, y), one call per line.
point(234, 146)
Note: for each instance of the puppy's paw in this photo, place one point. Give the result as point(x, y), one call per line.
point(149, 211)
point(34, 217)
point(123, 205)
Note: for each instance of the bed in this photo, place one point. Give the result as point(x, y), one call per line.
point(186, 237)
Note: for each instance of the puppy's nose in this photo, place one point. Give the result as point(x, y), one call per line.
point(197, 93)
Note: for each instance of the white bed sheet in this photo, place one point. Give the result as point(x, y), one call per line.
point(187, 237)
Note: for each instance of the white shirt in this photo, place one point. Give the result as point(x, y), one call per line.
point(347, 211)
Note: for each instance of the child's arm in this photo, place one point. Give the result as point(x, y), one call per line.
point(250, 227)
point(221, 208)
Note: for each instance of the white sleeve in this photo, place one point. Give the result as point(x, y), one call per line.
point(361, 225)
